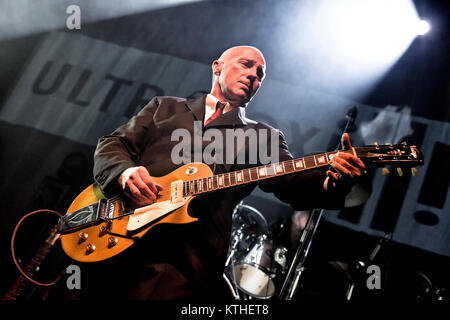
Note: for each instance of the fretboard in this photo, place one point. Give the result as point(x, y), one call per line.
point(254, 174)
point(32, 265)
point(21, 282)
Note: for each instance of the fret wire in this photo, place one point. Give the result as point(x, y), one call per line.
point(244, 175)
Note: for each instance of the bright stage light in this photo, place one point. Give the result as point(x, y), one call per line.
point(422, 27)
point(355, 42)
point(372, 31)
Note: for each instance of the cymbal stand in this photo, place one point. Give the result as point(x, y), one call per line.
point(297, 268)
point(235, 240)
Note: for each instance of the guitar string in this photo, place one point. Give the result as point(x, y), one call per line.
point(308, 158)
point(359, 152)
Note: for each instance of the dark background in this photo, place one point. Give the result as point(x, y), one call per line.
point(30, 181)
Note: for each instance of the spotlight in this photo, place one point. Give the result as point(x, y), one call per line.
point(422, 27)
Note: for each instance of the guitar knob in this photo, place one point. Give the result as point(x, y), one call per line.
point(82, 237)
point(400, 172)
point(102, 231)
point(413, 171)
point(90, 248)
point(112, 241)
point(385, 171)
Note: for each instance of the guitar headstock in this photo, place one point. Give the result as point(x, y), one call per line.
point(399, 155)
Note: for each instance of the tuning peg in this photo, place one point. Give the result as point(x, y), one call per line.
point(413, 171)
point(400, 172)
point(404, 143)
point(388, 144)
point(376, 143)
point(384, 171)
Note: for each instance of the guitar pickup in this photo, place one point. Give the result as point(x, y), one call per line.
point(176, 191)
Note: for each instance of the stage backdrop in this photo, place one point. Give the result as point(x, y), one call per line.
point(76, 89)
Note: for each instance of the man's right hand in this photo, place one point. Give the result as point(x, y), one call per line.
point(139, 186)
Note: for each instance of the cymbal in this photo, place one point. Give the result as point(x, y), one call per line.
point(359, 193)
point(249, 218)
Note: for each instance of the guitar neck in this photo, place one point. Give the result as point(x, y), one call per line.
point(21, 282)
point(31, 267)
point(254, 174)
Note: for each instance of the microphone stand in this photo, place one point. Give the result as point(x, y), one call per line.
point(290, 287)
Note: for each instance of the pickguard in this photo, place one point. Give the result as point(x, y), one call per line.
point(153, 212)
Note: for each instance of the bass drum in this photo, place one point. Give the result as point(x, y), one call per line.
point(255, 272)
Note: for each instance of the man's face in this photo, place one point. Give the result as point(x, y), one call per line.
point(242, 70)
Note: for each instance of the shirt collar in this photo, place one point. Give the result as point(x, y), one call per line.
point(211, 102)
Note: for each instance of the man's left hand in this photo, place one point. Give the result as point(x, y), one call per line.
point(348, 167)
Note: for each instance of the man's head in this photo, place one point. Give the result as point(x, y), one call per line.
point(238, 74)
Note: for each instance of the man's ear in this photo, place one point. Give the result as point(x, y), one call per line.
point(217, 67)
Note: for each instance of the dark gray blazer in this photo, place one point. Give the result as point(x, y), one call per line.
point(196, 252)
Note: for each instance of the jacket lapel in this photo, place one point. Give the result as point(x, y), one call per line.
point(197, 106)
point(235, 116)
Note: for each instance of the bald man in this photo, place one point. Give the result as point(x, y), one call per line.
point(187, 261)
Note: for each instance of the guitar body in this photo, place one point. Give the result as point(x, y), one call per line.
point(104, 240)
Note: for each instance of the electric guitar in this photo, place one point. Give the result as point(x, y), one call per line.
point(96, 228)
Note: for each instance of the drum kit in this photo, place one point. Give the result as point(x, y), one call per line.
point(256, 260)
point(258, 265)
